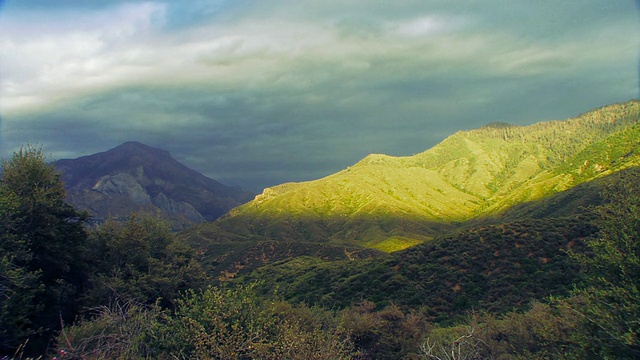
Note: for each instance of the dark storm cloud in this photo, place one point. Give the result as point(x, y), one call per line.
point(260, 93)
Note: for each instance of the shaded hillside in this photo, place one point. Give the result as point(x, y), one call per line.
point(495, 268)
point(390, 203)
point(227, 261)
point(134, 177)
point(571, 202)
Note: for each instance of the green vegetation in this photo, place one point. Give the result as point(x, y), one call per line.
point(395, 243)
point(211, 324)
point(42, 247)
point(610, 299)
point(467, 177)
point(53, 269)
point(493, 244)
point(141, 261)
point(495, 268)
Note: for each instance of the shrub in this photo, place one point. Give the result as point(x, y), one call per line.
point(216, 323)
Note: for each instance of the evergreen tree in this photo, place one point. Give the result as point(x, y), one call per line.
point(140, 261)
point(19, 287)
point(42, 251)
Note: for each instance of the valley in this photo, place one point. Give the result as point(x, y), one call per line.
point(491, 229)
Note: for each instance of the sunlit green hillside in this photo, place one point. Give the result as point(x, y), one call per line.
point(390, 203)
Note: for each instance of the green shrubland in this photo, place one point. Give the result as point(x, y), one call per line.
point(537, 260)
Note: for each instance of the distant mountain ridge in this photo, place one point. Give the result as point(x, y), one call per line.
point(390, 203)
point(136, 178)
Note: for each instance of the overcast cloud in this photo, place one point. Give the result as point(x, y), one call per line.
point(256, 93)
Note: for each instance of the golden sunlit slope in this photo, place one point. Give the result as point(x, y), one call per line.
point(389, 202)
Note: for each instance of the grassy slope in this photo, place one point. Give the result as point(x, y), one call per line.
point(390, 203)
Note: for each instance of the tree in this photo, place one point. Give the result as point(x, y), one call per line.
point(42, 249)
point(610, 303)
point(19, 287)
point(140, 261)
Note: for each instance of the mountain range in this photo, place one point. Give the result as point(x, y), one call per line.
point(495, 221)
point(497, 173)
point(136, 178)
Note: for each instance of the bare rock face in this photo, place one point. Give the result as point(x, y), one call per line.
point(135, 178)
point(178, 208)
point(125, 185)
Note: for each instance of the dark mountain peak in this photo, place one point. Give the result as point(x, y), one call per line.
point(134, 144)
point(125, 158)
point(132, 154)
point(134, 177)
point(138, 148)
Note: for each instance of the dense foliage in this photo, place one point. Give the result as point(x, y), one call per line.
point(494, 268)
point(141, 261)
point(53, 269)
point(610, 299)
point(42, 246)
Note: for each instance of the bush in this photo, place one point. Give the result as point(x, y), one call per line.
point(123, 330)
point(217, 323)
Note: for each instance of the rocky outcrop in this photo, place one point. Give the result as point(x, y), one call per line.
point(125, 185)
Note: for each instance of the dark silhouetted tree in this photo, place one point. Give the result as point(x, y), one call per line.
point(43, 240)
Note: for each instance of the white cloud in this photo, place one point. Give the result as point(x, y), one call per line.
point(47, 57)
point(127, 45)
point(420, 26)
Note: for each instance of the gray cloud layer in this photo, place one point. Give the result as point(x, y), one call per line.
point(255, 93)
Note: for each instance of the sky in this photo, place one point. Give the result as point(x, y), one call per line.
point(255, 93)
